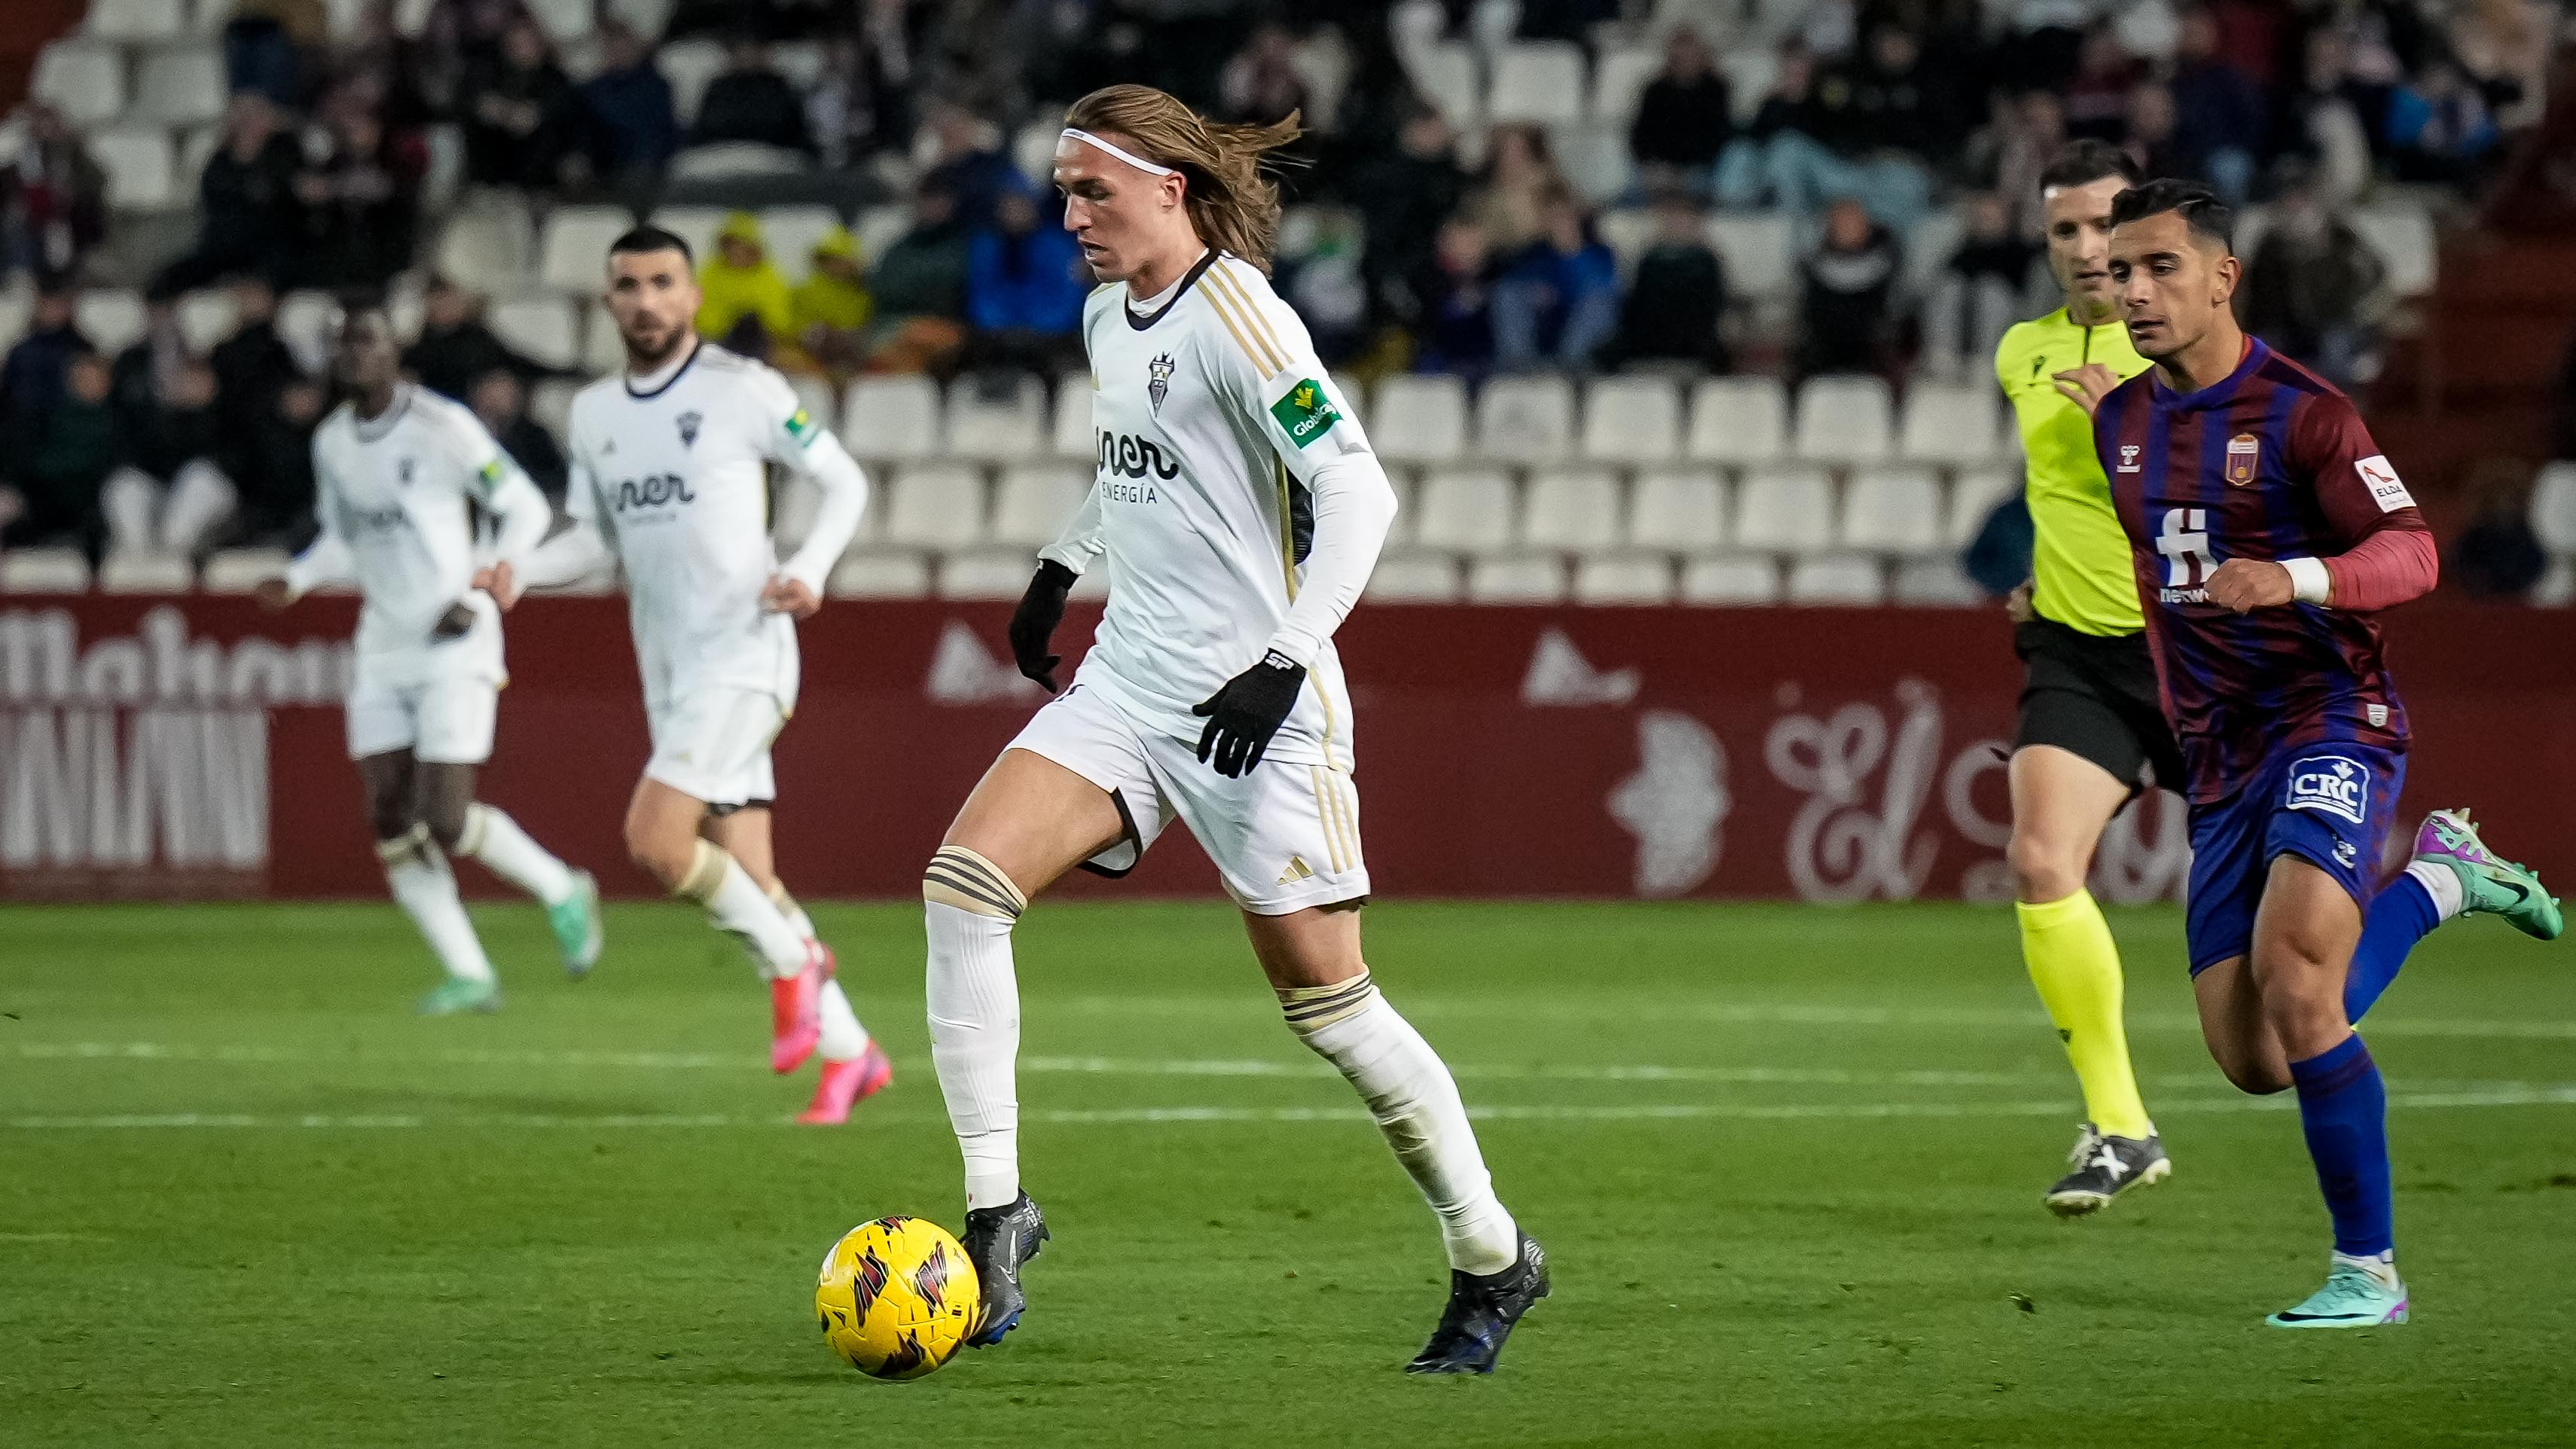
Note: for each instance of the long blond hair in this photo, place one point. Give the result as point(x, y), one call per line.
point(1232, 205)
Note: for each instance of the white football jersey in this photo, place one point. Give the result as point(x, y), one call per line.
point(675, 479)
point(1209, 415)
point(392, 496)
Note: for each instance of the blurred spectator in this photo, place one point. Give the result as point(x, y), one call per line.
point(1260, 83)
point(1520, 174)
point(967, 160)
point(2503, 46)
point(858, 107)
point(517, 108)
point(1672, 308)
point(252, 367)
point(53, 198)
point(2438, 126)
point(455, 347)
point(1325, 286)
point(2151, 133)
point(32, 379)
point(1814, 141)
point(60, 459)
point(2312, 287)
point(246, 207)
point(919, 286)
point(462, 34)
point(2033, 131)
point(1980, 291)
point(1788, 109)
point(2324, 117)
point(169, 495)
point(2497, 556)
point(361, 203)
point(382, 65)
point(2096, 100)
point(745, 304)
point(1403, 195)
point(2219, 114)
point(275, 473)
point(1887, 101)
point(1557, 302)
point(1456, 331)
point(750, 101)
point(830, 307)
point(269, 46)
point(1024, 289)
point(1684, 117)
point(1847, 294)
point(500, 399)
point(629, 127)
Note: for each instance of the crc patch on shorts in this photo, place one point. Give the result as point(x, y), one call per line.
point(2331, 784)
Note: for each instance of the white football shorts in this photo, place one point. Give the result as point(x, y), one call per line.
point(443, 714)
point(1284, 837)
point(712, 744)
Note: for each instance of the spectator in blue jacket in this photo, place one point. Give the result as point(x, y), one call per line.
point(1025, 284)
point(2438, 125)
point(1558, 301)
point(629, 125)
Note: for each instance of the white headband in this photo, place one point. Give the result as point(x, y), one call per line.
point(1139, 162)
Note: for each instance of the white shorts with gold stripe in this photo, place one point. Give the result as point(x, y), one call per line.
point(1284, 837)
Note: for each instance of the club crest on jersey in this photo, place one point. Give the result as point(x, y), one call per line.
point(2332, 785)
point(689, 429)
point(2129, 457)
point(2244, 458)
point(1160, 386)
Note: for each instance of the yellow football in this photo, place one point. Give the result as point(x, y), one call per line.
point(897, 1297)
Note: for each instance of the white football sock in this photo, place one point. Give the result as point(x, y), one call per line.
point(426, 889)
point(496, 840)
point(740, 909)
point(1416, 1104)
point(843, 1038)
point(968, 908)
point(797, 921)
point(2442, 884)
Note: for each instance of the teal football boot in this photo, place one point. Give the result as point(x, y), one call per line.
point(576, 924)
point(2356, 1295)
point(2488, 883)
point(454, 995)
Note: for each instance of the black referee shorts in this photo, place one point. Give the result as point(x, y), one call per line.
point(2094, 695)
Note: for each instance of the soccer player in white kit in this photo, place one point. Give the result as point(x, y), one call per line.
point(398, 472)
point(670, 477)
point(1238, 510)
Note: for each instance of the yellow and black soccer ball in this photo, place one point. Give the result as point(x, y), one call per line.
point(897, 1297)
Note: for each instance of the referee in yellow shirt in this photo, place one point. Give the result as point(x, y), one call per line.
point(2092, 733)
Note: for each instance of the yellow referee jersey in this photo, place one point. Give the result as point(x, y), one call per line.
point(2080, 557)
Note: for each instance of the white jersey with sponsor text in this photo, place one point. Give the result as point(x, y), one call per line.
point(1210, 414)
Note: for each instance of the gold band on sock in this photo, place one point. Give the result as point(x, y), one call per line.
point(412, 844)
point(1310, 1009)
point(961, 878)
point(779, 897)
point(706, 872)
point(478, 821)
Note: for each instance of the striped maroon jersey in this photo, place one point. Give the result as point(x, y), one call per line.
point(2269, 462)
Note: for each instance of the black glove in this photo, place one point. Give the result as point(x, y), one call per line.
point(453, 624)
point(1033, 623)
point(1248, 711)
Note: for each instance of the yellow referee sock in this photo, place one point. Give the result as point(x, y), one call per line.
point(2076, 967)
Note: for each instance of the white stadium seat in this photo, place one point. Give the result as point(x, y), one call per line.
point(1838, 578)
point(1632, 420)
point(1538, 81)
point(792, 232)
point(1679, 510)
point(1574, 512)
point(2403, 237)
point(986, 574)
point(180, 87)
point(688, 65)
point(208, 317)
point(813, 394)
point(1400, 578)
point(84, 82)
point(1973, 497)
point(1738, 420)
point(1446, 76)
point(879, 576)
point(801, 61)
point(733, 160)
point(572, 251)
point(937, 506)
point(1951, 422)
point(1730, 579)
point(1784, 509)
point(2557, 586)
point(1070, 432)
point(240, 570)
point(696, 225)
point(1466, 510)
point(1596, 161)
point(304, 323)
point(550, 403)
point(891, 417)
point(1354, 397)
point(491, 241)
point(603, 351)
point(997, 417)
point(562, 20)
point(880, 227)
point(1523, 420)
point(1892, 509)
point(1627, 232)
point(1758, 250)
point(542, 328)
point(2553, 507)
point(1844, 420)
point(136, 21)
point(1419, 418)
point(43, 571)
point(142, 172)
point(1937, 582)
point(1033, 502)
point(1750, 69)
point(1624, 579)
point(1516, 579)
point(112, 320)
point(15, 304)
point(146, 573)
point(1619, 81)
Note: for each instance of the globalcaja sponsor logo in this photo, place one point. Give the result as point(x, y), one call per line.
point(1305, 413)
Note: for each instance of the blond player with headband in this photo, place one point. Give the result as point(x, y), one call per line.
point(1238, 511)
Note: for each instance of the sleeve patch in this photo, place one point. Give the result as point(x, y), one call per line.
point(1305, 413)
point(800, 426)
point(2385, 488)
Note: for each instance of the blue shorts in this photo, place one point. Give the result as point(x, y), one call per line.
point(2329, 803)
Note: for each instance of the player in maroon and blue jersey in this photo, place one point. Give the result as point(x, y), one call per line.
point(2267, 529)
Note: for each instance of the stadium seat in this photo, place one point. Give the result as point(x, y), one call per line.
point(1525, 420)
point(1929, 247)
point(792, 232)
point(1516, 579)
point(1677, 511)
point(1936, 582)
point(997, 417)
point(111, 319)
point(180, 87)
point(1843, 420)
point(1950, 422)
point(1632, 420)
point(131, 22)
point(1537, 81)
point(562, 20)
point(1420, 418)
point(936, 506)
point(1784, 509)
point(1445, 75)
point(1466, 510)
point(1892, 509)
point(550, 403)
point(86, 83)
point(2553, 507)
point(1759, 252)
point(1624, 579)
point(208, 317)
point(696, 225)
point(603, 350)
point(813, 394)
point(1751, 65)
point(1627, 232)
point(1973, 496)
point(43, 571)
point(986, 573)
point(1354, 398)
point(15, 304)
point(1033, 501)
point(2557, 586)
point(1070, 431)
point(737, 160)
point(880, 576)
point(572, 251)
point(688, 65)
point(2403, 236)
point(490, 242)
point(1400, 578)
point(146, 573)
point(142, 172)
point(542, 328)
point(878, 228)
point(1408, 502)
point(1837, 578)
point(1730, 579)
point(891, 417)
point(1738, 420)
point(1572, 512)
point(240, 570)
point(304, 323)
point(1619, 81)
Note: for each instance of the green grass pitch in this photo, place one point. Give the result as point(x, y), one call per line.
point(1787, 1162)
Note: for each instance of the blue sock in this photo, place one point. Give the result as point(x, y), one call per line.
point(2343, 1106)
point(2402, 915)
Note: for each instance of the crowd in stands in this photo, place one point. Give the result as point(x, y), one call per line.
point(1429, 238)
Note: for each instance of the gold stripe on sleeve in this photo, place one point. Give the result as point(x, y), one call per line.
point(1249, 351)
point(1262, 331)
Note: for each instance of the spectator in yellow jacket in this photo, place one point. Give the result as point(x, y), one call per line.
point(832, 305)
point(746, 304)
